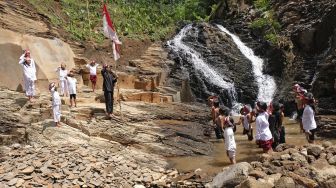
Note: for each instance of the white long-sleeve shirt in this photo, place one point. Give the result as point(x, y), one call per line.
point(308, 120)
point(93, 69)
point(62, 73)
point(29, 71)
point(262, 127)
point(56, 99)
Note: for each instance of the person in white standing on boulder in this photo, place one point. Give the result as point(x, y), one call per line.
point(62, 76)
point(93, 73)
point(29, 74)
point(56, 103)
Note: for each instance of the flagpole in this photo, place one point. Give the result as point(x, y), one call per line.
point(118, 88)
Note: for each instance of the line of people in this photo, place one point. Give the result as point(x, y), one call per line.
point(269, 119)
point(67, 84)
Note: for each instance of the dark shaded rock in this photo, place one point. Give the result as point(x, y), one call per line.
point(220, 53)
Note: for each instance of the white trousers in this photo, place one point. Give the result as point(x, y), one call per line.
point(57, 113)
point(29, 87)
point(64, 87)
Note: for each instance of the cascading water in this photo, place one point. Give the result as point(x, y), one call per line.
point(177, 45)
point(266, 84)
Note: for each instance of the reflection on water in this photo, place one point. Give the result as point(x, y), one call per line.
point(246, 151)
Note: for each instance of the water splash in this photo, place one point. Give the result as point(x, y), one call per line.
point(266, 84)
point(177, 45)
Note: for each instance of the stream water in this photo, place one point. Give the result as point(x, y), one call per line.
point(246, 151)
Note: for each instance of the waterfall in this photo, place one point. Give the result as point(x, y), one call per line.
point(266, 84)
point(177, 45)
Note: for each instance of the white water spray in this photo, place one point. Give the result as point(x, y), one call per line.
point(195, 58)
point(266, 84)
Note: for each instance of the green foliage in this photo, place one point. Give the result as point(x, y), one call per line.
point(267, 22)
point(154, 19)
point(273, 38)
point(262, 5)
point(259, 23)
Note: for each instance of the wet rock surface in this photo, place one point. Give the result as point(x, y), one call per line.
point(218, 51)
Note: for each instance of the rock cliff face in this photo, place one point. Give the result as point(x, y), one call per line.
point(221, 54)
point(306, 49)
point(22, 28)
point(310, 27)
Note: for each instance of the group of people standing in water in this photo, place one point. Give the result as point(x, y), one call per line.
point(67, 83)
point(268, 118)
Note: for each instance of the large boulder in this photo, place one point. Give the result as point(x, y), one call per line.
point(232, 176)
point(314, 150)
point(47, 53)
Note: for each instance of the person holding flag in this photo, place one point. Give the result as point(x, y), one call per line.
point(110, 78)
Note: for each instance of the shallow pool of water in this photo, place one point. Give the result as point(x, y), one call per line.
point(246, 151)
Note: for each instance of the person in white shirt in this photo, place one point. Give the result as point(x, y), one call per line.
point(246, 119)
point(263, 134)
point(308, 120)
point(93, 73)
point(63, 82)
point(29, 74)
point(227, 125)
point(72, 89)
point(56, 103)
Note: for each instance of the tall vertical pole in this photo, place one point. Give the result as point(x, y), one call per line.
point(88, 17)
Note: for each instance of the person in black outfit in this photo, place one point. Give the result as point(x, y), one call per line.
point(275, 123)
point(109, 80)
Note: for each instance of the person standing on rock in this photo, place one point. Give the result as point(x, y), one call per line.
point(308, 119)
point(29, 74)
point(227, 125)
point(263, 134)
point(56, 103)
point(63, 81)
point(72, 89)
point(109, 80)
point(93, 73)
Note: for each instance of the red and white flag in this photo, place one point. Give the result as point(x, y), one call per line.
point(110, 32)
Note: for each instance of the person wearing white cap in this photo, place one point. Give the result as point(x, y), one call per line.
point(63, 82)
point(56, 103)
point(29, 74)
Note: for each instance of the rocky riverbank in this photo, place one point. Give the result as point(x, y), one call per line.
point(289, 167)
point(84, 166)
